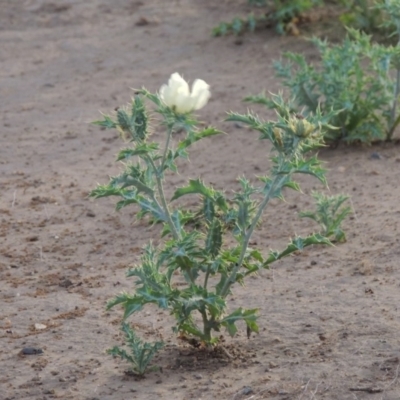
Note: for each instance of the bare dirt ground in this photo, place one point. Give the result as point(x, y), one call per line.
point(330, 317)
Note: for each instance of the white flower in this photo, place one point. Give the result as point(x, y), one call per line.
point(177, 96)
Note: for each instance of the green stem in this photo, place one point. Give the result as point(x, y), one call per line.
point(206, 277)
point(232, 278)
point(393, 112)
point(190, 275)
point(309, 98)
point(172, 226)
point(169, 134)
point(206, 326)
point(159, 174)
point(164, 204)
point(397, 89)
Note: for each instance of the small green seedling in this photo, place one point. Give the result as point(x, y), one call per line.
point(141, 353)
point(194, 270)
point(329, 214)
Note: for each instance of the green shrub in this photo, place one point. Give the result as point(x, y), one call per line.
point(369, 16)
point(193, 271)
point(279, 14)
point(353, 84)
point(375, 17)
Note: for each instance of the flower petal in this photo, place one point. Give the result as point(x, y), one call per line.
point(198, 86)
point(183, 102)
point(177, 83)
point(176, 94)
point(200, 94)
point(165, 95)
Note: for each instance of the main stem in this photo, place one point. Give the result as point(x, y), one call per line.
point(275, 183)
point(393, 112)
point(206, 276)
point(159, 173)
point(169, 134)
point(206, 326)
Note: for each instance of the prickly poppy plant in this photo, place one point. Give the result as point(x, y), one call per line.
point(194, 251)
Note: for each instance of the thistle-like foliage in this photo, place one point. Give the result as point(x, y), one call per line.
point(132, 124)
point(367, 16)
point(141, 353)
point(281, 14)
point(194, 270)
point(329, 214)
point(353, 86)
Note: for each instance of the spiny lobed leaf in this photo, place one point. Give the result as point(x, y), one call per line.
point(248, 316)
point(140, 150)
point(141, 352)
point(295, 245)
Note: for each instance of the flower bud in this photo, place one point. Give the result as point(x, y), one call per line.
point(177, 96)
point(301, 127)
point(278, 136)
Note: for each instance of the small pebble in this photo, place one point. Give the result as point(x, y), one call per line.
point(142, 21)
point(247, 390)
point(40, 327)
point(65, 283)
point(31, 350)
point(375, 156)
point(273, 365)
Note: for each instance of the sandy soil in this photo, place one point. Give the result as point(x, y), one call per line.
point(330, 317)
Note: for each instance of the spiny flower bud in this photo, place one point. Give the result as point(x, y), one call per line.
point(300, 127)
point(278, 136)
